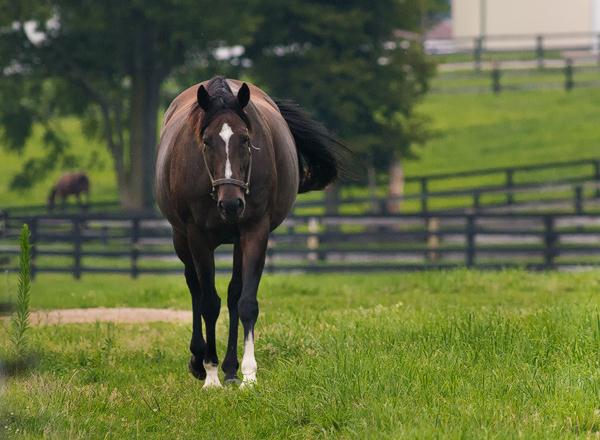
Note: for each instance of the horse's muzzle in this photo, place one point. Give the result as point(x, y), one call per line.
point(231, 209)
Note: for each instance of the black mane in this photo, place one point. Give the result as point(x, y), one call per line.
point(222, 100)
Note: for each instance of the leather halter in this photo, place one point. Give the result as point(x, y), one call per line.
point(215, 183)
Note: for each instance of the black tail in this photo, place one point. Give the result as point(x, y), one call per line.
point(321, 156)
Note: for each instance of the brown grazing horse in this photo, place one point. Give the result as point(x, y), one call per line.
point(70, 184)
point(230, 163)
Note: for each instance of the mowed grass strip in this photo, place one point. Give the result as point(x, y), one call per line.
point(451, 354)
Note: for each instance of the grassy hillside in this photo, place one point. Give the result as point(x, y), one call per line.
point(103, 184)
point(443, 354)
point(473, 131)
point(514, 128)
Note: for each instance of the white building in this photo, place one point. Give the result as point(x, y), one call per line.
point(507, 24)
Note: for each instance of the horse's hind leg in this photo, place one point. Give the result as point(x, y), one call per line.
point(197, 344)
point(231, 364)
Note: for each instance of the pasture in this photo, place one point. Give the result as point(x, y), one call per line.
point(439, 354)
point(472, 132)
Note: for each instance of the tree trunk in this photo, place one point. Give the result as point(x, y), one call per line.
point(138, 192)
point(395, 186)
point(372, 187)
point(332, 194)
point(331, 199)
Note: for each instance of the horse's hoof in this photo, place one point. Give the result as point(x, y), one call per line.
point(233, 382)
point(212, 382)
point(212, 376)
point(248, 383)
point(197, 369)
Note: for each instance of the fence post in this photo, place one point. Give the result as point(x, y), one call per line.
point(433, 238)
point(470, 239)
point(476, 199)
point(4, 230)
point(135, 252)
point(312, 242)
point(509, 186)
point(597, 177)
point(496, 86)
point(33, 229)
point(578, 202)
point(539, 50)
point(569, 81)
point(549, 242)
point(76, 247)
point(478, 48)
point(424, 195)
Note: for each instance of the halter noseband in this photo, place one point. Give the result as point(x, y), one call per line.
point(215, 183)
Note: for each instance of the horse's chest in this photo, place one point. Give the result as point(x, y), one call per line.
point(209, 221)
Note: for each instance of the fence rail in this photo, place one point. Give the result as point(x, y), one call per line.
point(540, 48)
point(498, 77)
point(568, 186)
point(89, 243)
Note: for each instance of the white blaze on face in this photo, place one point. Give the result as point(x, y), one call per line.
point(226, 133)
point(212, 376)
point(248, 362)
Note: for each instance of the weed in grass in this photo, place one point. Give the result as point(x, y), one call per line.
point(20, 320)
point(21, 357)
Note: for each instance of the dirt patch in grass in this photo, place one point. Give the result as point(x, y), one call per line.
point(104, 314)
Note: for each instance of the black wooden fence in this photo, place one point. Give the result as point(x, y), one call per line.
point(135, 245)
point(568, 186)
point(500, 77)
point(541, 48)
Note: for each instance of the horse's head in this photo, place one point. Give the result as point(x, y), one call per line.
point(226, 147)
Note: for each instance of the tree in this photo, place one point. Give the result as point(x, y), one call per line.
point(346, 62)
point(104, 62)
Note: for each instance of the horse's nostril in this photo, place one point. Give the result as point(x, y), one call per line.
point(231, 207)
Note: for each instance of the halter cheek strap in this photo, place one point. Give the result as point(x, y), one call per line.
point(215, 183)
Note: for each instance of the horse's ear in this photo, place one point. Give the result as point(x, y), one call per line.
point(203, 98)
point(243, 95)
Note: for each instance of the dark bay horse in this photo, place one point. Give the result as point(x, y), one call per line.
point(230, 163)
point(70, 184)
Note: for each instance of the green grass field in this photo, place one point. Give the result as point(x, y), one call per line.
point(442, 354)
point(473, 132)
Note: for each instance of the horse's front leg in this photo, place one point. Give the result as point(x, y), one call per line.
point(197, 343)
point(253, 242)
point(204, 262)
point(231, 364)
